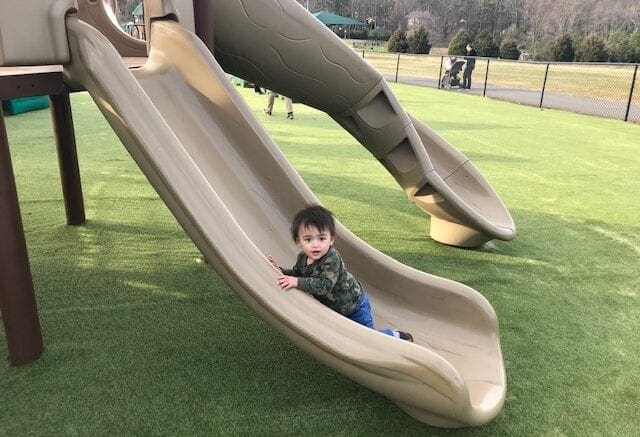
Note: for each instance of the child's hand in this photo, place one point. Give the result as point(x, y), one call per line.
point(287, 282)
point(273, 262)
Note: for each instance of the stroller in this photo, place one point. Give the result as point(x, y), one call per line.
point(453, 67)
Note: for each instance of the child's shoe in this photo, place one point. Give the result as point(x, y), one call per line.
point(405, 336)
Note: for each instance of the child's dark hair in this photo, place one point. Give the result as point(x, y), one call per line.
point(315, 215)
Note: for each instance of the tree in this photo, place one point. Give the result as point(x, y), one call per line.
point(379, 34)
point(485, 46)
point(398, 42)
point(562, 49)
point(634, 42)
point(488, 15)
point(124, 9)
point(619, 47)
point(592, 49)
point(458, 45)
point(509, 49)
point(535, 24)
point(419, 41)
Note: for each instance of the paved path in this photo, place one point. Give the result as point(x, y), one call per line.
point(582, 105)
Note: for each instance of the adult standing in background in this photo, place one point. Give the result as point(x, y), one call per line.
point(469, 66)
point(288, 104)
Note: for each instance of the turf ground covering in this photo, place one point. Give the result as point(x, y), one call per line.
point(141, 339)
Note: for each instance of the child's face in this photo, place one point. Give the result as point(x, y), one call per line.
point(313, 242)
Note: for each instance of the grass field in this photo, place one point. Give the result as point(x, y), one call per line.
point(141, 339)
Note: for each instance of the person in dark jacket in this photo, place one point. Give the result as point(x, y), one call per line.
point(469, 66)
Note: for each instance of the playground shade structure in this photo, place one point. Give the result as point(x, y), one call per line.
point(234, 193)
point(330, 19)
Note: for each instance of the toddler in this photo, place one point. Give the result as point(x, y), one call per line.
point(320, 270)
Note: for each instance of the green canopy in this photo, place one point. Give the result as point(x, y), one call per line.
point(331, 19)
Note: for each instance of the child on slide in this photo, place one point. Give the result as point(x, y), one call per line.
point(320, 270)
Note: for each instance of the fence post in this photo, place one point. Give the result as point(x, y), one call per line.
point(633, 83)
point(486, 77)
point(544, 85)
point(397, 66)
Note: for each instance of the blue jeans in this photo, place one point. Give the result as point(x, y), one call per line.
point(363, 316)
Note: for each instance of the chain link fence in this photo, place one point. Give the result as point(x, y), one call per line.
point(600, 89)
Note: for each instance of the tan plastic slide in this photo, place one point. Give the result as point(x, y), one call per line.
point(234, 192)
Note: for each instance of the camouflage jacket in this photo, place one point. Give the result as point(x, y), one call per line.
point(328, 280)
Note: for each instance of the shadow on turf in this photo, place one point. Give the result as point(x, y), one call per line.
point(546, 246)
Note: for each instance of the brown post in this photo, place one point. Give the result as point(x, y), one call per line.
point(203, 16)
point(17, 298)
point(67, 158)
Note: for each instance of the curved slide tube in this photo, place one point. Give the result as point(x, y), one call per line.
point(280, 46)
point(234, 193)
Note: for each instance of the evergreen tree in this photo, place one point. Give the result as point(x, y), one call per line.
point(398, 42)
point(592, 49)
point(509, 49)
point(458, 45)
point(380, 34)
point(486, 46)
point(419, 41)
point(562, 49)
point(619, 47)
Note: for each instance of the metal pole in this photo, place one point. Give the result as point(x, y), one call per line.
point(397, 66)
point(439, 78)
point(486, 78)
point(67, 158)
point(633, 83)
point(17, 298)
point(544, 85)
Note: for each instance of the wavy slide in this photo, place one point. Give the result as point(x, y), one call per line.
point(234, 193)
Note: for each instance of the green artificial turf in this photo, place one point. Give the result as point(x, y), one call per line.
point(141, 339)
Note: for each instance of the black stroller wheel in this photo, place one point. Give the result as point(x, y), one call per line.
point(445, 82)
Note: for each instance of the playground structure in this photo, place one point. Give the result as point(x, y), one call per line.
point(234, 192)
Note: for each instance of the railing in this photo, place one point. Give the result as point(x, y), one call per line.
point(600, 89)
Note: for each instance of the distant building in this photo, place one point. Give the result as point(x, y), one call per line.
point(341, 26)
